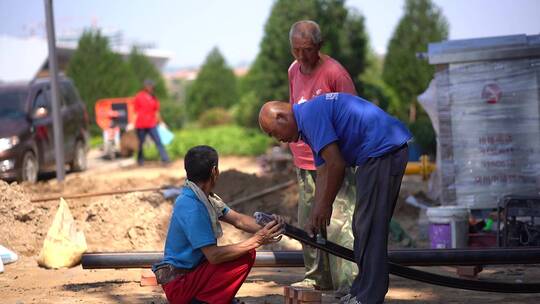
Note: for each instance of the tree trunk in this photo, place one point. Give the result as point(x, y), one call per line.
point(412, 112)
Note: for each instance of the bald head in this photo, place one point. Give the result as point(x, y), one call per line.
point(276, 119)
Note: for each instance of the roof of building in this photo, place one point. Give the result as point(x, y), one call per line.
point(22, 59)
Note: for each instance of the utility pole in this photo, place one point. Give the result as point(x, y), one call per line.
point(53, 72)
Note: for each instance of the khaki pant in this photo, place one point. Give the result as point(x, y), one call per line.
point(329, 272)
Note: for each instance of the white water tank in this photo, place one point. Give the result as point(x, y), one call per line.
point(488, 100)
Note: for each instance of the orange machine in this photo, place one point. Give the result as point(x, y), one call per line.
point(105, 109)
point(113, 116)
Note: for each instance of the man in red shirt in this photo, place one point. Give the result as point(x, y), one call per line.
point(147, 118)
point(310, 75)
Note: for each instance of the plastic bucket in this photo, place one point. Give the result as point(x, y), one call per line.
point(448, 227)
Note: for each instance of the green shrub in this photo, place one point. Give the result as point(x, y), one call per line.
point(95, 141)
point(215, 86)
point(227, 140)
point(172, 113)
point(214, 117)
point(246, 111)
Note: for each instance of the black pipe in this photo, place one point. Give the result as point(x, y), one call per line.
point(104, 260)
point(279, 259)
point(291, 258)
point(145, 259)
point(463, 257)
point(413, 257)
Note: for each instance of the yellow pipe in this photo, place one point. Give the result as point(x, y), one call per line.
point(422, 167)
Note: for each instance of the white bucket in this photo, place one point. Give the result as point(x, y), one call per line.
point(448, 227)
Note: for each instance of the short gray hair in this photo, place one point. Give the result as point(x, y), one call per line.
point(304, 28)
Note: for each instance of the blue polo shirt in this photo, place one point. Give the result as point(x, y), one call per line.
point(361, 129)
point(189, 230)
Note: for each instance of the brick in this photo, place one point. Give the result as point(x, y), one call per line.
point(296, 301)
point(300, 295)
point(468, 271)
point(307, 295)
point(148, 278)
point(288, 294)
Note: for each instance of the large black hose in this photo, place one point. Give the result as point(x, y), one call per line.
point(402, 271)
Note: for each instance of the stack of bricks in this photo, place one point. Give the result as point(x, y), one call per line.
point(299, 295)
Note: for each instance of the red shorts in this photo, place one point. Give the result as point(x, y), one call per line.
point(211, 283)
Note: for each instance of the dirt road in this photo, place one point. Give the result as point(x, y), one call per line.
point(138, 221)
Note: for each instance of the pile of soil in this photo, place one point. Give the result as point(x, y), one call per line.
point(134, 221)
point(23, 225)
point(233, 185)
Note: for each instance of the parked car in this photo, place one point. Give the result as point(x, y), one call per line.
point(26, 129)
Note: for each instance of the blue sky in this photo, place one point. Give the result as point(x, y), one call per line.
point(189, 29)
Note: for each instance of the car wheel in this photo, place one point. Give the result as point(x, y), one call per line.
point(79, 159)
point(29, 168)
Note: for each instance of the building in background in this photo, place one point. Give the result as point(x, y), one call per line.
point(25, 58)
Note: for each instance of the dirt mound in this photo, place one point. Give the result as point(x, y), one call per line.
point(233, 185)
point(126, 222)
point(85, 184)
point(23, 225)
point(135, 221)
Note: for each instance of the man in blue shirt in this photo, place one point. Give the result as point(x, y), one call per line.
point(194, 269)
point(347, 131)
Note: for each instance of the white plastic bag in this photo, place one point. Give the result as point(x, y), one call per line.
point(7, 256)
point(165, 135)
point(63, 245)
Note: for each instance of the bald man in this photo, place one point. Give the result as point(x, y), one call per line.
point(343, 131)
point(312, 74)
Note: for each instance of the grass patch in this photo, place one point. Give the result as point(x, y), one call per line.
point(227, 140)
point(96, 141)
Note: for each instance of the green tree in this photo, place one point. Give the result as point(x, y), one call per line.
point(344, 39)
point(245, 109)
point(99, 73)
point(355, 47)
point(376, 90)
point(267, 76)
point(144, 69)
point(422, 23)
point(215, 86)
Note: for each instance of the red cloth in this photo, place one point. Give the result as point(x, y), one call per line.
point(329, 77)
point(146, 107)
point(211, 283)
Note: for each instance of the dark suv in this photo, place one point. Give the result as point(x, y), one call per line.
point(26, 129)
